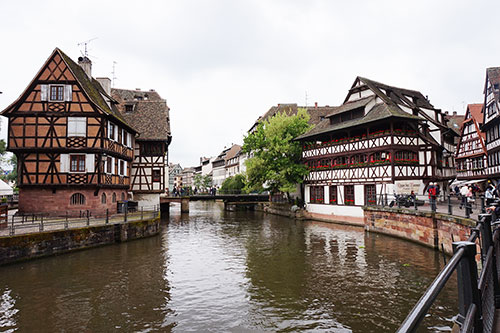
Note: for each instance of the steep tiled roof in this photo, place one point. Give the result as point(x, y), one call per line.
point(378, 112)
point(149, 115)
point(232, 152)
point(493, 75)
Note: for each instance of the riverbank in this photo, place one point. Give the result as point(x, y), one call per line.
point(435, 230)
point(41, 244)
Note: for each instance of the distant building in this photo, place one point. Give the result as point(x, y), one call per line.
point(219, 168)
point(232, 161)
point(471, 155)
point(187, 177)
point(174, 170)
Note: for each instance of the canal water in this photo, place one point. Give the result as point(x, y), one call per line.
point(222, 271)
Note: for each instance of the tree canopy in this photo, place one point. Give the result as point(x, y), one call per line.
point(275, 162)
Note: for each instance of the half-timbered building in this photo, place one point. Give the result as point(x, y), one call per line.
point(73, 147)
point(148, 113)
point(491, 122)
point(381, 140)
point(471, 156)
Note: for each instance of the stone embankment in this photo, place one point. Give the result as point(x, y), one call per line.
point(35, 245)
point(435, 230)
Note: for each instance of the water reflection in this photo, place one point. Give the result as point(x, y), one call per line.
point(212, 270)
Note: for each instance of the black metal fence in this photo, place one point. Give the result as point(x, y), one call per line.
point(449, 204)
point(478, 289)
point(32, 223)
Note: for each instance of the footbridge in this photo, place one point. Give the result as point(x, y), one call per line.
point(230, 200)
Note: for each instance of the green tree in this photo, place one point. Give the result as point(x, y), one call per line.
point(206, 182)
point(275, 164)
point(197, 181)
point(233, 185)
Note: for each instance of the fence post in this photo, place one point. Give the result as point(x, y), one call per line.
point(88, 218)
point(467, 208)
point(12, 230)
point(415, 202)
point(125, 206)
point(41, 223)
point(483, 207)
point(450, 209)
point(386, 199)
point(468, 292)
point(107, 215)
point(487, 242)
point(142, 213)
point(66, 223)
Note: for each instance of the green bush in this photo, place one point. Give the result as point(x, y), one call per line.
point(233, 185)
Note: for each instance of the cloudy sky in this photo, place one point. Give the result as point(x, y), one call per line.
point(220, 64)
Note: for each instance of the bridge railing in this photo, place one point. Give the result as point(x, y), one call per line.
point(478, 289)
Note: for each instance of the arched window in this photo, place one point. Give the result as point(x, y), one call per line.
point(103, 198)
point(114, 197)
point(123, 196)
point(77, 199)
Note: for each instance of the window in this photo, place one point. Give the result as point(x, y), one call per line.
point(151, 149)
point(129, 108)
point(333, 195)
point(370, 195)
point(114, 197)
point(123, 196)
point(57, 93)
point(317, 194)
point(111, 131)
point(122, 168)
point(77, 199)
point(156, 175)
point(77, 163)
point(406, 157)
point(103, 198)
point(109, 165)
point(349, 195)
point(124, 137)
point(77, 126)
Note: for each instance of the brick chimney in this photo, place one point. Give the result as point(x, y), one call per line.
point(86, 65)
point(105, 83)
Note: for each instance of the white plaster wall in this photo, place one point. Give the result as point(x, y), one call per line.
point(359, 195)
point(352, 211)
point(147, 200)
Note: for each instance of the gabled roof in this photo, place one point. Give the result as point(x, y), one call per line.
point(379, 112)
point(91, 88)
point(232, 152)
point(149, 115)
point(493, 75)
point(391, 94)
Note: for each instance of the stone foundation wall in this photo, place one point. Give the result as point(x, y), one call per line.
point(431, 229)
point(57, 202)
point(30, 246)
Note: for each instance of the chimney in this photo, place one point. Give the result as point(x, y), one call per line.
point(454, 113)
point(105, 83)
point(315, 105)
point(86, 65)
point(446, 112)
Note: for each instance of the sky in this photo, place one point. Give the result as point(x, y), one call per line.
point(221, 64)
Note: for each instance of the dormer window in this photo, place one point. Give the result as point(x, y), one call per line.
point(129, 108)
point(495, 86)
point(57, 93)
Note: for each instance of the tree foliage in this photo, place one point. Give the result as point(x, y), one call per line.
point(203, 183)
point(275, 158)
point(233, 185)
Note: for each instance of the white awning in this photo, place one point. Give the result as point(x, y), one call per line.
point(459, 183)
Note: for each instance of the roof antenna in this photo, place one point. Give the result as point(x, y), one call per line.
point(113, 73)
point(85, 53)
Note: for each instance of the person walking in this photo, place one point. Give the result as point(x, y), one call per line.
point(432, 190)
point(463, 193)
point(488, 195)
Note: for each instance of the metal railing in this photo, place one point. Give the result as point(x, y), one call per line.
point(32, 223)
point(448, 204)
point(478, 290)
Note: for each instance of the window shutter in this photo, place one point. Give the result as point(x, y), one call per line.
point(68, 92)
point(105, 165)
point(113, 169)
point(125, 168)
point(64, 163)
point(81, 129)
point(89, 162)
point(44, 94)
point(109, 129)
point(71, 127)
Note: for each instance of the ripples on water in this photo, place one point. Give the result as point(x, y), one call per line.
point(228, 271)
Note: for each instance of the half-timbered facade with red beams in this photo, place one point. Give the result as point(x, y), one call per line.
point(491, 122)
point(382, 139)
point(471, 156)
point(147, 112)
point(73, 147)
